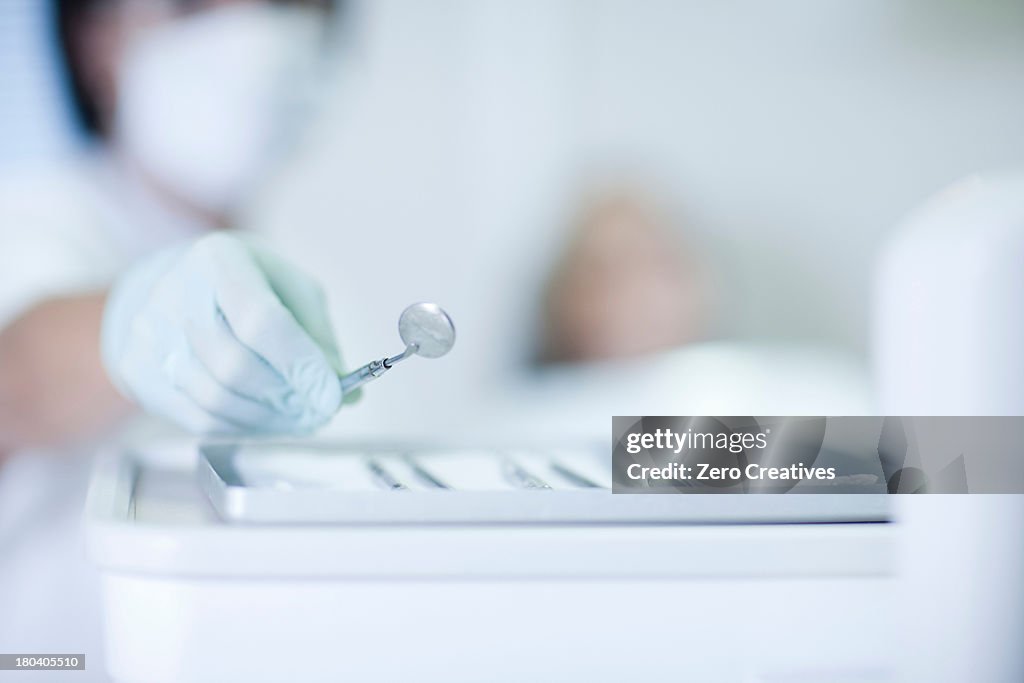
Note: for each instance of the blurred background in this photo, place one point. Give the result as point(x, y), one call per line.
point(492, 156)
point(639, 208)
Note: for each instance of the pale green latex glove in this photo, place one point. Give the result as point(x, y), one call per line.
point(220, 336)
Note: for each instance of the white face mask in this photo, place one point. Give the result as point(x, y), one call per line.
point(208, 103)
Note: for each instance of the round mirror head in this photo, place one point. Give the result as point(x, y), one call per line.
point(428, 328)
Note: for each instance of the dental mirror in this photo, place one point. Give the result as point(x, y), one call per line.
point(426, 331)
point(427, 328)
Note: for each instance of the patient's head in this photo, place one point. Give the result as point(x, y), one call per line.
point(625, 286)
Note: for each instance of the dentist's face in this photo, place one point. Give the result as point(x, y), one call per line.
point(201, 96)
point(103, 31)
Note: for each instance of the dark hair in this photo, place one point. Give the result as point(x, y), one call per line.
point(66, 14)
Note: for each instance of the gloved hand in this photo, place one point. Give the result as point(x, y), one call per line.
point(221, 337)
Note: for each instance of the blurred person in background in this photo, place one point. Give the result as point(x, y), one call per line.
point(626, 285)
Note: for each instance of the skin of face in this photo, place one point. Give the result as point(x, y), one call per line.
point(626, 286)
